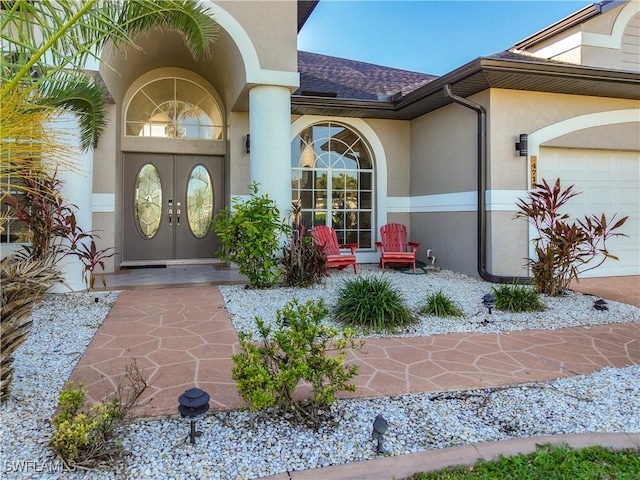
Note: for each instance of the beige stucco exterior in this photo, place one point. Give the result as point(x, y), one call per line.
point(425, 168)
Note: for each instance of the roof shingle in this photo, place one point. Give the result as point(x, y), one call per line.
point(355, 80)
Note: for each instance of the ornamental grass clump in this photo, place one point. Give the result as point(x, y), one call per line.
point(440, 305)
point(517, 298)
point(372, 303)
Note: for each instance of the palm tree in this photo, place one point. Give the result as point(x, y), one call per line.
point(48, 43)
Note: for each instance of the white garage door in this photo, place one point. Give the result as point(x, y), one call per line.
point(610, 182)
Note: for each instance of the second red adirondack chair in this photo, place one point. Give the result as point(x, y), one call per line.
point(394, 247)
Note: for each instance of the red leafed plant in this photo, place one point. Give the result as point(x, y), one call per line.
point(564, 249)
point(53, 227)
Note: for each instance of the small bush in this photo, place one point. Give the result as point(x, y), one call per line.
point(268, 373)
point(517, 298)
point(85, 436)
point(441, 305)
point(372, 303)
point(250, 237)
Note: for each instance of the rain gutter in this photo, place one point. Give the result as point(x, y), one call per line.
point(482, 190)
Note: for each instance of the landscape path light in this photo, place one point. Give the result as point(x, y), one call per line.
point(193, 404)
point(489, 301)
point(380, 426)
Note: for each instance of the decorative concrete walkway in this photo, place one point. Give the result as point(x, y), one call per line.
point(183, 337)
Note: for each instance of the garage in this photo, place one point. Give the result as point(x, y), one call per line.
point(610, 182)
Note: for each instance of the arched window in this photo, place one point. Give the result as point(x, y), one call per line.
point(332, 175)
point(174, 108)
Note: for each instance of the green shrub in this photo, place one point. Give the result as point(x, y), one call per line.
point(517, 298)
point(441, 305)
point(250, 237)
point(372, 303)
point(85, 436)
point(267, 373)
point(80, 436)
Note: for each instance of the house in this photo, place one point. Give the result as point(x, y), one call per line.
point(363, 145)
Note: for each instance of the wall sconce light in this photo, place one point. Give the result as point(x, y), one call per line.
point(247, 144)
point(523, 144)
point(380, 426)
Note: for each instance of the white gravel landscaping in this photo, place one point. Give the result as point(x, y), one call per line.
point(571, 310)
point(63, 325)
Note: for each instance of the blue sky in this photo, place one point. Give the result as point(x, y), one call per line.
point(426, 36)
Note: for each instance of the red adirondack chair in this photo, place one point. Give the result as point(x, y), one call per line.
point(394, 247)
point(326, 237)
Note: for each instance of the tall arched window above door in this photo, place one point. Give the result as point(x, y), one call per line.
point(175, 108)
point(332, 175)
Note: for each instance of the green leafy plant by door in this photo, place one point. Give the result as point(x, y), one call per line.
point(250, 236)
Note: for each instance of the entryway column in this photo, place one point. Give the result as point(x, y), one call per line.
point(270, 155)
point(77, 188)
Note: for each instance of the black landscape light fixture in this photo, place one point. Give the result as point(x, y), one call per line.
point(247, 143)
point(380, 426)
point(523, 145)
point(600, 305)
point(192, 404)
point(489, 301)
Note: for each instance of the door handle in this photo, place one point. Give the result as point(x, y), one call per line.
point(178, 215)
point(170, 216)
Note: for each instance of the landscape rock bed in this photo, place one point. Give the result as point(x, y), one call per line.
point(63, 325)
point(570, 310)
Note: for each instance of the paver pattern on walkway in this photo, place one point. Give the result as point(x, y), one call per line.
point(620, 289)
point(183, 337)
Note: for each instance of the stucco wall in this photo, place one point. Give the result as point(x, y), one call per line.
point(514, 112)
point(273, 29)
point(238, 158)
point(444, 161)
point(105, 189)
point(443, 150)
point(450, 235)
point(396, 139)
point(443, 165)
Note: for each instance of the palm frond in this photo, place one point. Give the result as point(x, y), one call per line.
point(82, 96)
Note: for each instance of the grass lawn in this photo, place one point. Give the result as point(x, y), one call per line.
point(550, 462)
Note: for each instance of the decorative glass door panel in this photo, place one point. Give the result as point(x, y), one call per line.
point(169, 203)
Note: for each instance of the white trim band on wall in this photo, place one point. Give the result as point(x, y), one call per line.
point(497, 200)
point(104, 202)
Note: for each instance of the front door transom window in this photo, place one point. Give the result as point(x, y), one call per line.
point(332, 175)
point(173, 108)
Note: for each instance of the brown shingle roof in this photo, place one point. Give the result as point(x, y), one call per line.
point(354, 80)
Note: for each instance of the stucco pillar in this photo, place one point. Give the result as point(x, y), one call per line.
point(270, 130)
point(77, 187)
